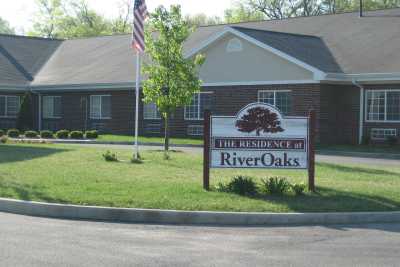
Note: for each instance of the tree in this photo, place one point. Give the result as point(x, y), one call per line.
point(202, 20)
point(275, 9)
point(47, 19)
point(172, 79)
point(5, 27)
point(259, 119)
point(241, 12)
point(123, 23)
point(25, 116)
point(69, 19)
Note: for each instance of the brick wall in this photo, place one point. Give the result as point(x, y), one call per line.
point(337, 108)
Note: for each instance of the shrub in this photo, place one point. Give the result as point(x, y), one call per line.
point(62, 134)
point(26, 115)
point(391, 140)
point(276, 185)
point(221, 187)
point(298, 189)
point(76, 135)
point(31, 134)
point(46, 134)
point(3, 139)
point(13, 133)
point(242, 185)
point(111, 157)
point(1, 133)
point(92, 134)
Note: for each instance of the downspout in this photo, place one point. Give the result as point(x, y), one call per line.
point(39, 108)
point(361, 119)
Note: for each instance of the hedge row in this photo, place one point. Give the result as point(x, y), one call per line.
point(62, 134)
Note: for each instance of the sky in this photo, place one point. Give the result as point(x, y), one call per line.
point(20, 12)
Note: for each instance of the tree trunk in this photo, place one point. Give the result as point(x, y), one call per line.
point(166, 133)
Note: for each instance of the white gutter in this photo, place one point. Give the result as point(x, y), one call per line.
point(361, 119)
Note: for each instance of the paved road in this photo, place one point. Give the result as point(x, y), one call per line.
point(334, 159)
point(29, 241)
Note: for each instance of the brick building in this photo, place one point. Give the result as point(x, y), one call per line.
point(345, 67)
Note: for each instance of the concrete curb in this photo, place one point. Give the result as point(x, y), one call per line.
point(191, 217)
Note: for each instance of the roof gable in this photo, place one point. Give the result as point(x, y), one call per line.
point(243, 33)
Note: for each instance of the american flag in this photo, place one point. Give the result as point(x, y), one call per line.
point(140, 14)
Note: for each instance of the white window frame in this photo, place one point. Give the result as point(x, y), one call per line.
point(385, 136)
point(195, 126)
point(6, 107)
point(155, 114)
point(51, 117)
point(198, 109)
point(271, 91)
point(101, 108)
point(386, 91)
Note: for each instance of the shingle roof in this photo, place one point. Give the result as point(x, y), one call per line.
point(342, 43)
point(108, 59)
point(22, 57)
point(309, 49)
point(358, 45)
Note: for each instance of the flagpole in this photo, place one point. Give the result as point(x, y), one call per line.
point(137, 89)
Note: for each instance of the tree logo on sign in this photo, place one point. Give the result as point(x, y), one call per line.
point(259, 119)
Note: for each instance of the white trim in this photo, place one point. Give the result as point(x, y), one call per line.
point(245, 83)
point(198, 108)
point(385, 105)
point(101, 104)
point(318, 74)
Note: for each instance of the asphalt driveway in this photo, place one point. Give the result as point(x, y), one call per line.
point(29, 241)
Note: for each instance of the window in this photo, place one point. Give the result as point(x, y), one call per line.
point(234, 45)
point(200, 103)
point(383, 105)
point(52, 107)
point(195, 130)
point(9, 106)
point(150, 112)
point(282, 100)
point(382, 134)
point(100, 107)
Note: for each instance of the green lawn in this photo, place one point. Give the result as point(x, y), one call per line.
point(142, 139)
point(71, 174)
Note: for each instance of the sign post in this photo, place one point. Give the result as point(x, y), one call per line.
point(311, 151)
point(206, 153)
point(259, 136)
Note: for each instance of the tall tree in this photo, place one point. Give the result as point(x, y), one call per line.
point(172, 78)
point(47, 19)
point(123, 23)
point(5, 27)
point(202, 20)
point(68, 19)
point(241, 12)
point(275, 9)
